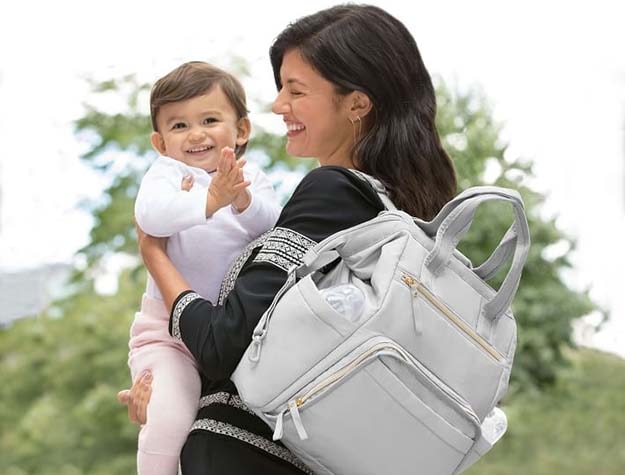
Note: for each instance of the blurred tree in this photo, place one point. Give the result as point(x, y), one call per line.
point(60, 373)
point(61, 370)
point(544, 306)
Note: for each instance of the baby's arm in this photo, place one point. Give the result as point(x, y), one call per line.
point(242, 201)
point(162, 208)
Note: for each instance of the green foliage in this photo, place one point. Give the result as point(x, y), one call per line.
point(574, 427)
point(111, 137)
point(274, 148)
point(60, 375)
point(113, 229)
point(124, 130)
point(61, 370)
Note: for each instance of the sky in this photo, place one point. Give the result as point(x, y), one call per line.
point(553, 71)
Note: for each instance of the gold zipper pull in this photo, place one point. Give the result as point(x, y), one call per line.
point(412, 283)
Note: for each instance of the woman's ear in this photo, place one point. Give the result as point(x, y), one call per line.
point(244, 128)
point(158, 143)
point(360, 105)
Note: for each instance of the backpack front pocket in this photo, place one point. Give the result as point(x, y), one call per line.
point(409, 416)
point(477, 366)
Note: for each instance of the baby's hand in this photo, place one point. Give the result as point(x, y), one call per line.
point(227, 183)
point(187, 183)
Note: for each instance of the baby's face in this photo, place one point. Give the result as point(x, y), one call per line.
point(194, 131)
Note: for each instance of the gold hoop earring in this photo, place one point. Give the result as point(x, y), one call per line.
point(353, 121)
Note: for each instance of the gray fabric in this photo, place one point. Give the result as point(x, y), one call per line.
point(404, 388)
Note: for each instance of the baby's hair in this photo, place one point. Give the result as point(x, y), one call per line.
point(194, 79)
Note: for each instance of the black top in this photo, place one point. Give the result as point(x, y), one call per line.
point(328, 199)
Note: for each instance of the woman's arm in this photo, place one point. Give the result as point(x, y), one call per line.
point(154, 253)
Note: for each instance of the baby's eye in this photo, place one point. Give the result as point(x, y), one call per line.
point(210, 120)
point(178, 125)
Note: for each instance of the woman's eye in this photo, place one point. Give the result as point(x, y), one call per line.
point(296, 93)
point(210, 120)
point(178, 125)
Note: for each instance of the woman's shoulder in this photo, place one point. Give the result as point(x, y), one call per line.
point(337, 182)
point(333, 189)
point(327, 200)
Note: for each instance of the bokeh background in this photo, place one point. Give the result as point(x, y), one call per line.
point(531, 96)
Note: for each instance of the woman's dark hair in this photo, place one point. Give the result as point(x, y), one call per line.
point(363, 48)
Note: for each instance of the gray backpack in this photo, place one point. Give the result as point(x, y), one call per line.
point(405, 386)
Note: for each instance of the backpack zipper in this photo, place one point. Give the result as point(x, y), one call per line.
point(381, 349)
point(299, 402)
point(294, 405)
point(419, 289)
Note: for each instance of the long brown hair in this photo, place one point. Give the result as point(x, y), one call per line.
point(363, 48)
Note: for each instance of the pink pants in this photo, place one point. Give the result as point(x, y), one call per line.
point(175, 389)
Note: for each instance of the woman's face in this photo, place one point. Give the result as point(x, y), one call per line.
point(316, 116)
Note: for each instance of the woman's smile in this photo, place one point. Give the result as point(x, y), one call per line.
point(294, 129)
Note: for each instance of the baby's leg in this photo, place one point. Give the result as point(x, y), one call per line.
point(172, 408)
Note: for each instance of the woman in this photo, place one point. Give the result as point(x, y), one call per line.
point(353, 93)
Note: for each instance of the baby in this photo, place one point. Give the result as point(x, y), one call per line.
point(198, 194)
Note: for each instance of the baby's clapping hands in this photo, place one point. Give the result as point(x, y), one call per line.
point(228, 185)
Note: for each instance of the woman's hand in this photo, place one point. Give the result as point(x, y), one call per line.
point(137, 398)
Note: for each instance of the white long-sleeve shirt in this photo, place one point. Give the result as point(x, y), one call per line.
point(202, 249)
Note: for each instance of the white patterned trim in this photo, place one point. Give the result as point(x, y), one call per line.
point(231, 276)
point(257, 441)
point(224, 398)
point(180, 306)
point(237, 402)
point(284, 248)
point(216, 398)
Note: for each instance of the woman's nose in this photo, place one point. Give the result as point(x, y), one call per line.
point(279, 105)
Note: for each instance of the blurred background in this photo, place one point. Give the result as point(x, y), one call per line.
point(531, 95)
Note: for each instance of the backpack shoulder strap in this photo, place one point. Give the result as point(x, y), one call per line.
point(377, 186)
